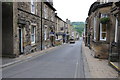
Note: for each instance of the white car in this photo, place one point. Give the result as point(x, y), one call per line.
point(72, 40)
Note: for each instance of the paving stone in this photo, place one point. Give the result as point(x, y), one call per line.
point(99, 68)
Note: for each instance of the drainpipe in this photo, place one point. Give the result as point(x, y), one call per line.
point(41, 27)
point(0, 30)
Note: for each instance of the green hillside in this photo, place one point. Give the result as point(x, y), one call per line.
point(79, 26)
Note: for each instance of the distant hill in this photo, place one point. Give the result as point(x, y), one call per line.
point(79, 26)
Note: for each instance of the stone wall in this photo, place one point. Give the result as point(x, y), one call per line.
point(29, 18)
point(100, 47)
point(50, 25)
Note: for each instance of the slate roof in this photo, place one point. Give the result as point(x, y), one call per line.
point(97, 5)
point(47, 3)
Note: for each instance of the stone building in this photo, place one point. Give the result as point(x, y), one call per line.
point(102, 28)
point(28, 31)
point(69, 29)
point(85, 35)
point(99, 27)
point(31, 26)
point(115, 30)
point(63, 29)
point(21, 28)
point(60, 28)
point(48, 24)
point(65, 33)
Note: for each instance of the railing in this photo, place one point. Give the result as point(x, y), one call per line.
point(113, 55)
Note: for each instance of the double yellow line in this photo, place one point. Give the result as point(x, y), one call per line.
point(115, 66)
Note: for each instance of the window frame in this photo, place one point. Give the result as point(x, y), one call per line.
point(32, 7)
point(52, 15)
point(101, 32)
point(33, 34)
point(45, 33)
point(116, 30)
point(95, 22)
point(45, 12)
point(104, 15)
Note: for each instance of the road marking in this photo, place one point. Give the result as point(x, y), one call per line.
point(115, 66)
point(76, 70)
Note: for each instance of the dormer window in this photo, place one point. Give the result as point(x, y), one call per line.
point(104, 1)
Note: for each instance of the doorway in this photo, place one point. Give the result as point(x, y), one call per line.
point(21, 50)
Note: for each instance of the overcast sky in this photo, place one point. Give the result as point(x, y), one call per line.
point(74, 10)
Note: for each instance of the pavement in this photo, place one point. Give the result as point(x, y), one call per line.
point(98, 68)
point(10, 61)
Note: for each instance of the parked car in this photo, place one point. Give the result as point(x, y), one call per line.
point(72, 40)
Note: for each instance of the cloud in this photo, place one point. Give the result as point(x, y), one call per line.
point(75, 10)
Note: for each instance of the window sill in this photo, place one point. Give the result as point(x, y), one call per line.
point(32, 12)
point(94, 40)
point(33, 44)
point(103, 40)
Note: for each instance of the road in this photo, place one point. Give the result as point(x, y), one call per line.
point(63, 62)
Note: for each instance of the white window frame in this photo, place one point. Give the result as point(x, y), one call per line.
point(45, 32)
point(36, 10)
point(104, 15)
point(52, 16)
point(116, 30)
point(95, 28)
point(32, 7)
point(33, 35)
point(45, 12)
point(102, 32)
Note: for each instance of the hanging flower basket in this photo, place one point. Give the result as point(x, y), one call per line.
point(104, 20)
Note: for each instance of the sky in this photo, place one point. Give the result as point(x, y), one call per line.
point(74, 10)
